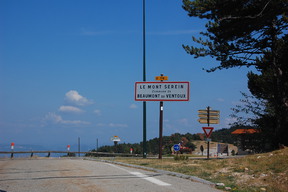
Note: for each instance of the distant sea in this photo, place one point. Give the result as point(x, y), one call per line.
point(31, 148)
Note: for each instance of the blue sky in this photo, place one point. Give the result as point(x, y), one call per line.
point(68, 68)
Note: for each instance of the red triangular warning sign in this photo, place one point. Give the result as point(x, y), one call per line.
point(207, 131)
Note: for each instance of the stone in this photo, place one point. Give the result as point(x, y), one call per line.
point(227, 188)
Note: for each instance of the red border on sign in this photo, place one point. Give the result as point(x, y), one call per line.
point(188, 91)
point(208, 134)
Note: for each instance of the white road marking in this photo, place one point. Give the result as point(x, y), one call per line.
point(151, 179)
point(143, 176)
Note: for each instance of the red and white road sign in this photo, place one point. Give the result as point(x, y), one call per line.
point(12, 145)
point(208, 131)
point(162, 91)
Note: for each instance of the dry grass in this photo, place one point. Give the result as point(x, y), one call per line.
point(261, 172)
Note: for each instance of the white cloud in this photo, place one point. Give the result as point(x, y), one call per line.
point(70, 109)
point(96, 32)
point(100, 125)
point(184, 122)
point(111, 125)
point(53, 118)
point(133, 106)
point(117, 125)
point(57, 119)
point(97, 112)
point(175, 32)
point(229, 121)
point(220, 100)
point(77, 99)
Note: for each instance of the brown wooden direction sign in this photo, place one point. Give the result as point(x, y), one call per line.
point(211, 121)
point(207, 116)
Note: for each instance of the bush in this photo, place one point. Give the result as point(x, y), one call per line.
point(180, 158)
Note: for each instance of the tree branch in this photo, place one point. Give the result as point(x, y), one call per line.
point(245, 17)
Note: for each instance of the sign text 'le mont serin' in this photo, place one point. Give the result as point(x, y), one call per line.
point(162, 91)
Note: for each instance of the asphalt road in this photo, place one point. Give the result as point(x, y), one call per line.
point(69, 175)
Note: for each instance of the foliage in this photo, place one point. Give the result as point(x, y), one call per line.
point(224, 135)
point(257, 142)
point(262, 119)
point(180, 157)
point(120, 148)
point(250, 33)
point(271, 85)
point(237, 31)
point(153, 144)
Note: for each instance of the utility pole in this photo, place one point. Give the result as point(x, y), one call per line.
point(97, 144)
point(78, 146)
point(144, 79)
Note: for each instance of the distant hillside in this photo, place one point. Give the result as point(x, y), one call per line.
point(188, 140)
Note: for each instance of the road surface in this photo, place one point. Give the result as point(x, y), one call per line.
point(76, 175)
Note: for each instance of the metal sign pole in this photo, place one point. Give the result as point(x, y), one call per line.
point(208, 142)
point(210, 117)
point(160, 130)
point(144, 79)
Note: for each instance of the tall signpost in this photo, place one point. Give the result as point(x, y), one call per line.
point(161, 78)
point(162, 91)
point(208, 116)
point(144, 79)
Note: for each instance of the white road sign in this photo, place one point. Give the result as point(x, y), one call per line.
point(162, 91)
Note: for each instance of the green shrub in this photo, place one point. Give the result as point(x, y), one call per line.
point(180, 157)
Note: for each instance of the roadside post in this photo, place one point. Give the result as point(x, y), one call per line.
point(68, 150)
point(162, 91)
point(78, 146)
point(208, 116)
point(12, 149)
